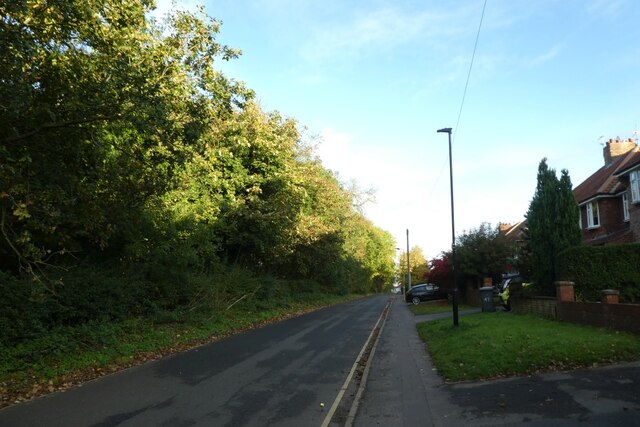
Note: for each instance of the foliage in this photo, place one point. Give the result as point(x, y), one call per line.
point(594, 268)
point(483, 252)
point(138, 179)
point(490, 345)
point(419, 267)
point(552, 225)
point(103, 108)
point(441, 273)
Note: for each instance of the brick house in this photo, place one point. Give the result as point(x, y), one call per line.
point(609, 200)
point(513, 232)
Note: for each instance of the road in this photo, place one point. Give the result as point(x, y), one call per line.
point(276, 375)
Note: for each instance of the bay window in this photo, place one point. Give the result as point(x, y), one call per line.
point(625, 206)
point(634, 179)
point(593, 214)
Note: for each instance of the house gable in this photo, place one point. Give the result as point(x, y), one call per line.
point(600, 197)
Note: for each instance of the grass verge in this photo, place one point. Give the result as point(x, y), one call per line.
point(433, 307)
point(68, 356)
point(491, 345)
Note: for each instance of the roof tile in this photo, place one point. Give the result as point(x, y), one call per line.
point(604, 181)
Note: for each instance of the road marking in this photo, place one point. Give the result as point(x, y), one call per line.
point(342, 391)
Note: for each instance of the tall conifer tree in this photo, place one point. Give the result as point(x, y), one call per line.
point(552, 222)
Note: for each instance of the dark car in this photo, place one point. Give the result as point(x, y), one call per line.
point(424, 292)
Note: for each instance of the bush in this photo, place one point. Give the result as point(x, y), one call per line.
point(593, 269)
point(91, 294)
point(24, 308)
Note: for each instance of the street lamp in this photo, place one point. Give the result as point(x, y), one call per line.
point(408, 264)
point(453, 233)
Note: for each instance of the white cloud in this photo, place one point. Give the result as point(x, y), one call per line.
point(381, 30)
point(335, 150)
point(547, 56)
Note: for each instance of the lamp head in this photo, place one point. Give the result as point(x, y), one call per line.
point(445, 130)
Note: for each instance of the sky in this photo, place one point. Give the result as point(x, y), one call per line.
point(375, 80)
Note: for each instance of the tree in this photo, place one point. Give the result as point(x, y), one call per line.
point(418, 264)
point(122, 143)
point(440, 272)
point(101, 107)
point(483, 252)
point(552, 225)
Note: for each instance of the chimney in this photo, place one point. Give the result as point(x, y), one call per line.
point(616, 148)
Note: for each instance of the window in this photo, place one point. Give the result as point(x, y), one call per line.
point(593, 214)
point(635, 186)
point(579, 217)
point(625, 206)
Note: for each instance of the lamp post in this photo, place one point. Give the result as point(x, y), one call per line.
point(453, 233)
point(408, 264)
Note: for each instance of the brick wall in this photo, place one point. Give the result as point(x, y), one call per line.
point(605, 314)
point(611, 219)
point(540, 306)
point(611, 214)
point(634, 218)
point(623, 317)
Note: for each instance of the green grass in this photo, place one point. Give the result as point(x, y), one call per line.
point(433, 307)
point(490, 345)
point(70, 355)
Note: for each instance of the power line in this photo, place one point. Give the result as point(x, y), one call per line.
point(464, 95)
point(475, 46)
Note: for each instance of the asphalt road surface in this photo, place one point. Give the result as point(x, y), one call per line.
point(276, 375)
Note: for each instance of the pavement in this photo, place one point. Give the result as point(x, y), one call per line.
point(404, 389)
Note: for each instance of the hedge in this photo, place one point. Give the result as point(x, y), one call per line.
point(594, 268)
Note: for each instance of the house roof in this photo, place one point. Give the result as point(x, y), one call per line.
point(632, 163)
point(512, 231)
point(604, 181)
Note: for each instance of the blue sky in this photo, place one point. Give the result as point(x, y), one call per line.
point(375, 80)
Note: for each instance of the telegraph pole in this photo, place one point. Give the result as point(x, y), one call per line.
point(408, 263)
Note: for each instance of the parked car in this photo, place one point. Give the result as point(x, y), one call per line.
point(424, 292)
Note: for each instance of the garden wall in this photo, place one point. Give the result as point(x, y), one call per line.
point(622, 317)
point(542, 306)
point(607, 313)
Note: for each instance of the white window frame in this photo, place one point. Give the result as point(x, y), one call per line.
point(625, 207)
point(634, 180)
point(593, 221)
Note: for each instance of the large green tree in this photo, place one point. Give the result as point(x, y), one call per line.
point(419, 267)
point(100, 108)
point(552, 225)
point(483, 252)
point(123, 144)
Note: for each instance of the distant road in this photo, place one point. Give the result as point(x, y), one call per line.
point(276, 375)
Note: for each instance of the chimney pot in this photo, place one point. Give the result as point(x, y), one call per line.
point(616, 148)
